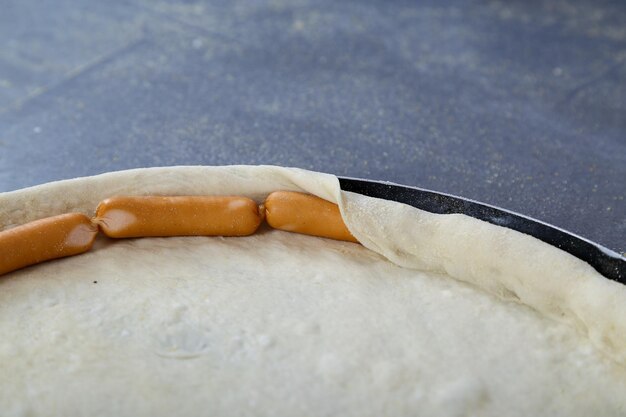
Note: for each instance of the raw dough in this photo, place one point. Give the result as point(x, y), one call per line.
point(281, 324)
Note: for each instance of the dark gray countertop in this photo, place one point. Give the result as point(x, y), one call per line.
point(513, 103)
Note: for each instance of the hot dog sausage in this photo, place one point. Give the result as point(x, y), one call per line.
point(307, 214)
point(120, 217)
point(45, 239)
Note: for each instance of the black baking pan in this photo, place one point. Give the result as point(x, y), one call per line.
point(607, 262)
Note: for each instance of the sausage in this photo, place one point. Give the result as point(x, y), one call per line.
point(120, 217)
point(45, 239)
point(307, 214)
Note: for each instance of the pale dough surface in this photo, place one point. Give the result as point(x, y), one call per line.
point(280, 324)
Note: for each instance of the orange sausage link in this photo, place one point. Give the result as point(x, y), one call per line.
point(307, 214)
point(45, 239)
point(120, 217)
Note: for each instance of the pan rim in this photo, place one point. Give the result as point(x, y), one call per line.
point(604, 260)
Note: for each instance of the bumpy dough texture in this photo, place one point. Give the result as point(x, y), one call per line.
point(281, 324)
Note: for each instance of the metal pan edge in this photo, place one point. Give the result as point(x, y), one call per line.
point(607, 262)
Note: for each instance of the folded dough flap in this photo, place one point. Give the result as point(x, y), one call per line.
point(503, 262)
